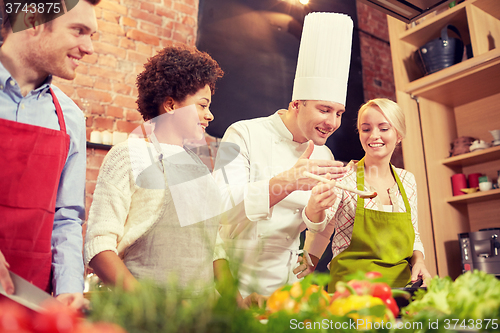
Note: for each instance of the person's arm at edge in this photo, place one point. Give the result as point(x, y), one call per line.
point(67, 261)
point(5, 279)
point(111, 270)
point(418, 269)
point(106, 221)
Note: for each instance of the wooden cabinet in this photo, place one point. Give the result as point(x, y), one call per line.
point(461, 100)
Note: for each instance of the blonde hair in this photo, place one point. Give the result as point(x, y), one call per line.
point(391, 111)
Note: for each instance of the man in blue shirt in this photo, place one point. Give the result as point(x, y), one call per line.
point(42, 148)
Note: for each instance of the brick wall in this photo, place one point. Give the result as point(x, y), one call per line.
point(131, 31)
point(378, 78)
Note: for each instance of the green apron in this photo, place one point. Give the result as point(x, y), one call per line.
point(381, 241)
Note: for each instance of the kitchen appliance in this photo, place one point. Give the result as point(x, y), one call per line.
point(481, 250)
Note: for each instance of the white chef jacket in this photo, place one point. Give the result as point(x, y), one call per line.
point(262, 242)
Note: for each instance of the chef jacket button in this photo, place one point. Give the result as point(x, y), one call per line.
point(287, 237)
point(12, 82)
point(1, 86)
point(297, 211)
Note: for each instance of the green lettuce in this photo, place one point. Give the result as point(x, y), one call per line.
point(473, 295)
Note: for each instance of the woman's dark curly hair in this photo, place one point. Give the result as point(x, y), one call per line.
point(176, 71)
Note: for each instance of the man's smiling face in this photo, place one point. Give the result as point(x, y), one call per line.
point(61, 43)
point(317, 120)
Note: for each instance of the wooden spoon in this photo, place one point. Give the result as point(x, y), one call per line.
point(362, 194)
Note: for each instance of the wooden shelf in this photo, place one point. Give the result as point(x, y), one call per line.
point(460, 100)
point(431, 28)
point(489, 6)
point(475, 197)
point(98, 145)
point(472, 76)
point(457, 16)
point(475, 157)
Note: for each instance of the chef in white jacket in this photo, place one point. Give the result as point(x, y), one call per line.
point(260, 163)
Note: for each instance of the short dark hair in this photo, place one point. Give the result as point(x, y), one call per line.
point(176, 72)
point(8, 19)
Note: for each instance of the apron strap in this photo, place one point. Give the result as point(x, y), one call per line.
point(360, 181)
point(152, 138)
point(361, 184)
point(401, 190)
point(59, 112)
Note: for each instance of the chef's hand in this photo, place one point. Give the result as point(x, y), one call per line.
point(305, 268)
point(5, 279)
point(75, 301)
point(295, 179)
point(322, 197)
point(253, 299)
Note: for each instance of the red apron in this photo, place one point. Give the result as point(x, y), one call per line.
point(31, 159)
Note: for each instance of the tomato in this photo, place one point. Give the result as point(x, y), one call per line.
point(392, 305)
point(56, 319)
point(339, 294)
point(14, 317)
point(381, 290)
point(361, 287)
point(373, 275)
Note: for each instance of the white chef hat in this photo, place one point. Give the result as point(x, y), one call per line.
point(324, 58)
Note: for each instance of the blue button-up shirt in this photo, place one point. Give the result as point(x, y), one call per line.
point(37, 108)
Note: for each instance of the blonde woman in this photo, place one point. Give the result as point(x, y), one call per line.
point(378, 234)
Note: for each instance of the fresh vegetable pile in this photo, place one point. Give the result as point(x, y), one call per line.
point(302, 305)
point(298, 297)
point(471, 302)
point(365, 303)
point(365, 299)
point(370, 284)
point(15, 318)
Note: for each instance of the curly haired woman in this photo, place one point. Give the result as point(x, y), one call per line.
point(155, 209)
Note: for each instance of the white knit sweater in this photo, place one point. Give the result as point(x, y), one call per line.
point(122, 211)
